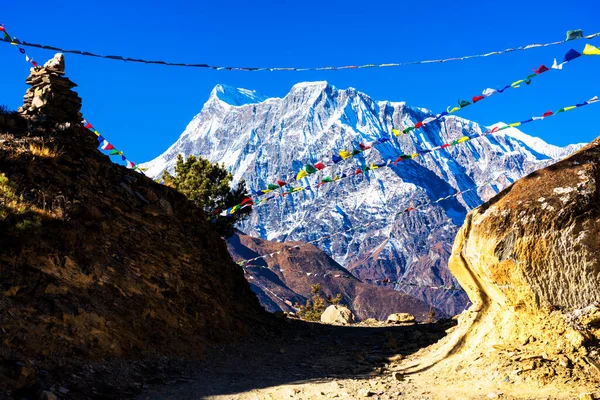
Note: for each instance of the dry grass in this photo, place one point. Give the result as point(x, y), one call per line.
point(43, 151)
point(13, 204)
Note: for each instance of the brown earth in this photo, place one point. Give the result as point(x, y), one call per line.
point(98, 262)
point(293, 285)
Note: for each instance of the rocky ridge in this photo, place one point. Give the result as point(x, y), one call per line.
point(289, 276)
point(99, 263)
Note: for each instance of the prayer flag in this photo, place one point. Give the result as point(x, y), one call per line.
point(571, 55)
point(272, 186)
point(310, 169)
point(450, 111)
point(363, 147)
point(463, 103)
point(406, 130)
point(555, 65)
point(395, 131)
point(107, 146)
point(114, 153)
point(344, 154)
point(355, 152)
point(419, 124)
point(514, 124)
point(301, 174)
point(590, 50)
point(489, 92)
point(541, 69)
point(475, 99)
point(574, 34)
point(319, 165)
point(336, 159)
point(281, 183)
point(547, 114)
point(383, 140)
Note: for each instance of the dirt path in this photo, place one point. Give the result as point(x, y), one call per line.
point(315, 361)
point(303, 361)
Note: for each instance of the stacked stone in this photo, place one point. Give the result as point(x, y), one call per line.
point(50, 97)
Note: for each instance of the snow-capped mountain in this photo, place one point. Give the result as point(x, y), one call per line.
point(264, 139)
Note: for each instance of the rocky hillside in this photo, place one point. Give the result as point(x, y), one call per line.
point(265, 139)
point(529, 259)
point(285, 279)
point(98, 262)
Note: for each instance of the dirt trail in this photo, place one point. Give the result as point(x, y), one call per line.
point(315, 361)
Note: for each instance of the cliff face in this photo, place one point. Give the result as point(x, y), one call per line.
point(289, 277)
point(98, 261)
point(529, 259)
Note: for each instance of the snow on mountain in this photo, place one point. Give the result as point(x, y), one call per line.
point(234, 96)
point(538, 144)
point(262, 140)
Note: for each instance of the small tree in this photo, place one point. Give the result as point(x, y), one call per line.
point(313, 309)
point(208, 186)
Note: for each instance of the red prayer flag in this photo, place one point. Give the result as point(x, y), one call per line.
point(364, 147)
point(419, 124)
point(358, 171)
point(494, 129)
point(108, 146)
point(477, 98)
point(88, 126)
point(1, 28)
point(247, 200)
point(319, 165)
point(445, 145)
point(548, 114)
point(281, 183)
point(541, 69)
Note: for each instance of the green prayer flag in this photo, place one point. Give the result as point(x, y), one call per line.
point(559, 111)
point(530, 76)
point(114, 153)
point(272, 186)
point(410, 128)
point(463, 103)
point(355, 152)
point(574, 34)
point(310, 169)
point(327, 179)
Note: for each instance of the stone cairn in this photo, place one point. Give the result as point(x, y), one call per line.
point(50, 98)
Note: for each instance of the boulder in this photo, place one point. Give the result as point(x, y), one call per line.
point(401, 318)
point(337, 314)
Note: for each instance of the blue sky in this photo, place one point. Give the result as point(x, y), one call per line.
point(142, 109)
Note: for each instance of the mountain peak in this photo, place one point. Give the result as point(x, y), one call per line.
point(235, 96)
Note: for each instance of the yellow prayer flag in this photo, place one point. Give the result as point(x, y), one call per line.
point(373, 166)
point(301, 174)
point(97, 133)
point(590, 50)
point(569, 108)
point(453, 110)
point(414, 155)
point(344, 154)
point(463, 139)
point(337, 178)
point(516, 84)
point(515, 124)
point(396, 132)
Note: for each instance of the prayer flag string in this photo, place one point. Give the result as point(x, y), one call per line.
point(343, 155)
point(248, 202)
point(571, 35)
point(244, 263)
